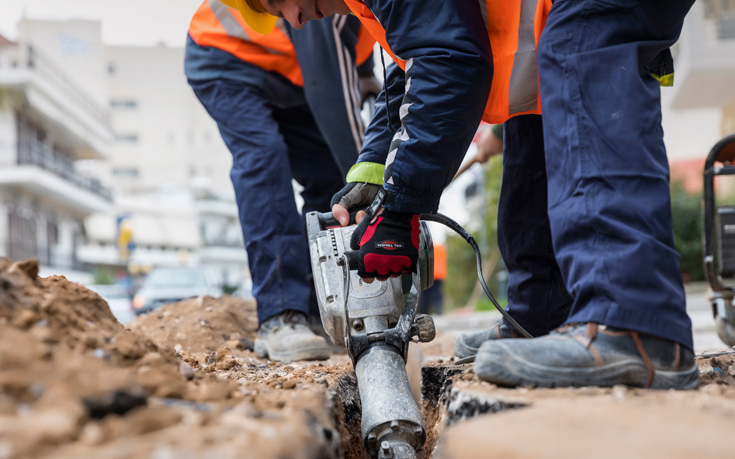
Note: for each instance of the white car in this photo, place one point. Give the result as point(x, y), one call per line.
point(169, 285)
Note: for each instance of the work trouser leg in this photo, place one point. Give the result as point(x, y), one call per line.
point(313, 166)
point(537, 297)
point(609, 203)
point(273, 230)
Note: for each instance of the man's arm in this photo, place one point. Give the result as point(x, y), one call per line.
point(447, 82)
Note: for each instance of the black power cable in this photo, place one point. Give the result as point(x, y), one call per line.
point(451, 224)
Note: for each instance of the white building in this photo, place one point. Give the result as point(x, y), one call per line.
point(700, 108)
point(130, 115)
point(47, 122)
point(164, 135)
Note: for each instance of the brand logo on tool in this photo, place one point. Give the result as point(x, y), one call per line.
point(389, 245)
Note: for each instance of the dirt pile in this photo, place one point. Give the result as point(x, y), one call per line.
point(70, 373)
point(199, 325)
point(216, 336)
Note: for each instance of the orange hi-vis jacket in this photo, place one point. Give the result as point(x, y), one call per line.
point(218, 26)
point(514, 28)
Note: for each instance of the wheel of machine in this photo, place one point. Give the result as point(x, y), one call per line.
point(725, 330)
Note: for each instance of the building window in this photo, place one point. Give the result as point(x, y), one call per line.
point(22, 235)
point(124, 103)
point(125, 172)
point(127, 138)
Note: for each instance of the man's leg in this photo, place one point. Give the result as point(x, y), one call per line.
point(537, 297)
point(609, 205)
point(314, 168)
point(273, 230)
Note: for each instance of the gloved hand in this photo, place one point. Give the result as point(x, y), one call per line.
point(363, 182)
point(355, 194)
point(388, 244)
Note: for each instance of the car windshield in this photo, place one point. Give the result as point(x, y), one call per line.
point(175, 278)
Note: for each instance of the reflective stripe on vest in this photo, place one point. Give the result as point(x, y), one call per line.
point(514, 27)
point(218, 26)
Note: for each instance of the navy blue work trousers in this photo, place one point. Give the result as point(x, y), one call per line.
point(608, 210)
point(273, 138)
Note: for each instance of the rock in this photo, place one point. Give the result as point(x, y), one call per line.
point(25, 319)
point(234, 344)
point(186, 370)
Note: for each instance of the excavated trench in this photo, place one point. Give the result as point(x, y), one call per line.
point(441, 406)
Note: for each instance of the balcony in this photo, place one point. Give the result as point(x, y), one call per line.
point(705, 57)
point(40, 170)
point(56, 95)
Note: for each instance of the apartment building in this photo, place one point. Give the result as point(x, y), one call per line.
point(120, 127)
point(47, 123)
point(700, 108)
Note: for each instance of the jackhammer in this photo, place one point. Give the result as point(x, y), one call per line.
point(375, 322)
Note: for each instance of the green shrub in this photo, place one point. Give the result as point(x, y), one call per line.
point(686, 211)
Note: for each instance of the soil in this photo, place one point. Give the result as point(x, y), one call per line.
point(184, 382)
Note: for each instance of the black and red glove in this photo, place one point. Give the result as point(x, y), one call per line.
point(389, 246)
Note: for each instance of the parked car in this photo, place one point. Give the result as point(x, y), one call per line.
point(169, 285)
point(117, 298)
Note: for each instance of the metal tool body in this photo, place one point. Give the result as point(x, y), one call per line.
point(719, 240)
point(375, 322)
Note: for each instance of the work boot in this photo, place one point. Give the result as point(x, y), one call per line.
point(287, 336)
point(588, 354)
point(467, 343)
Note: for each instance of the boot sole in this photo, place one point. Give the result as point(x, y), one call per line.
point(505, 369)
point(264, 351)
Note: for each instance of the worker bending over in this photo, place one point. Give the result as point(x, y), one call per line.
point(288, 107)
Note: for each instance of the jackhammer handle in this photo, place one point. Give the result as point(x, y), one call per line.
point(327, 220)
point(352, 256)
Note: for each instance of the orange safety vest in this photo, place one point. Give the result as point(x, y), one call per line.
point(514, 27)
point(440, 262)
point(218, 26)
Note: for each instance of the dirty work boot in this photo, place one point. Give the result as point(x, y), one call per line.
point(467, 343)
point(287, 336)
point(588, 354)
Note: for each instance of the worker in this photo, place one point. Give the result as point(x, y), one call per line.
point(600, 246)
point(258, 89)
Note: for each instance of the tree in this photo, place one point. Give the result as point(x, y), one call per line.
point(461, 287)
